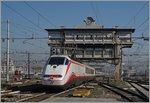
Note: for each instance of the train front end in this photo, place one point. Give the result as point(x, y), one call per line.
point(54, 71)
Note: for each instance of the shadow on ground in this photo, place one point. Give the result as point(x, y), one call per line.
point(36, 88)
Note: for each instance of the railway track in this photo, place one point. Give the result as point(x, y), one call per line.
point(48, 94)
point(36, 98)
point(127, 95)
point(140, 89)
point(44, 96)
point(143, 86)
point(31, 93)
point(17, 96)
point(13, 96)
point(140, 84)
point(35, 92)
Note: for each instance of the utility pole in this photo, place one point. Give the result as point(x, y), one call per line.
point(28, 65)
point(121, 69)
point(8, 37)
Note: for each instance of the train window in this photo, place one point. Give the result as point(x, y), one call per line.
point(67, 61)
point(89, 71)
point(57, 61)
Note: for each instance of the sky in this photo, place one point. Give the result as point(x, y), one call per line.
point(25, 22)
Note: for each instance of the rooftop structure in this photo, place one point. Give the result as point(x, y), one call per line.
point(91, 42)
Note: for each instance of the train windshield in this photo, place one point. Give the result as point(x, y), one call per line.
point(57, 61)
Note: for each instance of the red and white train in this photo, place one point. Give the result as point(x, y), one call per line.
point(63, 72)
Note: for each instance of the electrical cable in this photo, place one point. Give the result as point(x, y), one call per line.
point(92, 5)
point(39, 13)
point(137, 13)
point(142, 23)
point(98, 12)
point(22, 16)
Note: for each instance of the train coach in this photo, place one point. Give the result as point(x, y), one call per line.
point(62, 72)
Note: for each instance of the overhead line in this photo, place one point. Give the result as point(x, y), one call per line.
point(27, 53)
point(22, 15)
point(136, 37)
point(139, 48)
point(28, 38)
point(142, 23)
point(31, 44)
point(12, 49)
point(34, 45)
point(39, 13)
point(20, 30)
point(27, 26)
point(24, 35)
point(27, 30)
point(15, 32)
point(92, 5)
point(136, 14)
point(98, 10)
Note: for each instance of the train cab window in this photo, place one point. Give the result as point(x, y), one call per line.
point(67, 61)
point(57, 61)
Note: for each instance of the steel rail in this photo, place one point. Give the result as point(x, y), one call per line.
point(122, 93)
point(138, 90)
point(43, 96)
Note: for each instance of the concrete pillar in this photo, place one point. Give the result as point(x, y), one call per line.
point(117, 73)
point(65, 52)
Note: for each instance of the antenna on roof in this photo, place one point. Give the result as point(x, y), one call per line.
point(89, 20)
